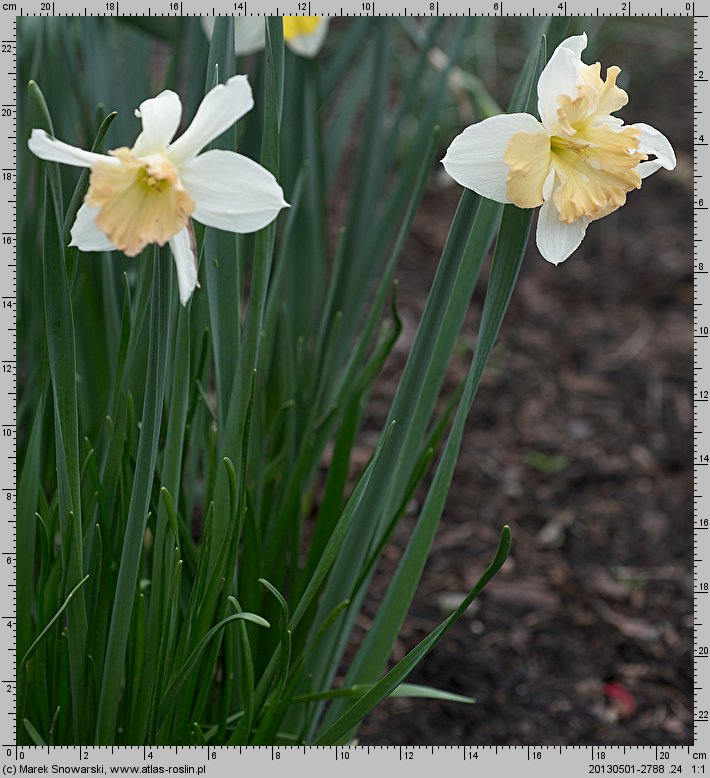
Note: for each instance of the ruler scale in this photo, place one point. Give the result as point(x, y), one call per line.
point(269, 761)
point(8, 373)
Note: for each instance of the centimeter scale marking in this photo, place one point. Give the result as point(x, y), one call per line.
point(568, 760)
point(366, 8)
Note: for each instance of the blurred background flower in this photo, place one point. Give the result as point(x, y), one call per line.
point(304, 35)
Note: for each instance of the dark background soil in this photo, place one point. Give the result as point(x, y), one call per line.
point(581, 440)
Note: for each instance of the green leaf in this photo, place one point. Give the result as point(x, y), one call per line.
point(377, 645)
point(27, 495)
point(378, 642)
point(237, 510)
point(267, 728)
point(181, 676)
point(37, 739)
point(140, 496)
point(305, 255)
point(365, 193)
point(221, 261)
point(350, 45)
point(274, 301)
point(330, 553)
point(166, 648)
point(61, 348)
point(53, 725)
point(200, 586)
point(338, 473)
point(344, 112)
point(241, 733)
point(431, 445)
point(384, 688)
point(157, 27)
point(167, 533)
point(248, 361)
point(35, 644)
point(137, 659)
point(340, 532)
point(98, 573)
point(416, 396)
point(403, 690)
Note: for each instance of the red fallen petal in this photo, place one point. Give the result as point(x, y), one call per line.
point(622, 697)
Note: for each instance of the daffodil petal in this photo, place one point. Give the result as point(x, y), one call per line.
point(309, 45)
point(182, 247)
point(645, 169)
point(232, 192)
point(575, 43)
point(561, 76)
point(85, 235)
point(249, 34)
point(654, 142)
point(42, 145)
point(475, 157)
point(556, 239)
point(218, 111)
point(528, 158)
point(160, 116)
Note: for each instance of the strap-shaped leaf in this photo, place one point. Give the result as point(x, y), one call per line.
point(140, 496)
point(377, 645)
point(384, 688)
point(171, 694)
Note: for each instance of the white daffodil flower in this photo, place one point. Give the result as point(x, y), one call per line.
point(304, 35)
point(578, 163)
point(147, 194)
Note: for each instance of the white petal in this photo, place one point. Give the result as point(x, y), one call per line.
point(654, 142)
point(85, 235)
point(310, 45)
point(160, 116)
point(475, 157)
point(575, 43)
point(219, 110)
point(645, 169)
point(560, 76)
point(249, 34)
point(44, 146)
point(556, 239)
point(232, 192)
point(185, 263)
